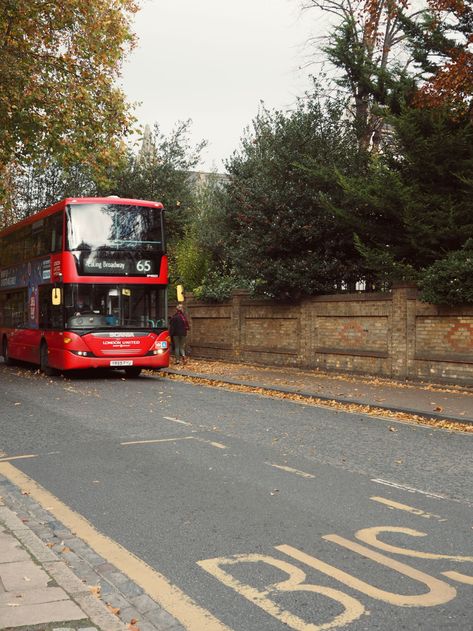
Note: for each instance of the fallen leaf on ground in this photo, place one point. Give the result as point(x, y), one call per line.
point(114, 610)
point(392, 429)
point(66, 549)
point(95, 590)
point(334, 405)
point(438, 408)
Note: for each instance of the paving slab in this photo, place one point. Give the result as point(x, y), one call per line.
point(33, 596)
point(39, 613)
point(22, 576)
point(11, 551)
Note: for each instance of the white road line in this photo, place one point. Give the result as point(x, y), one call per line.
point(176, 420)
point(158, 440)
point(409, 489)
point(210, 442)
point(172, 440)
point(302, 474)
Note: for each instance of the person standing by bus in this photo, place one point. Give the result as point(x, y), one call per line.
point(178, 327)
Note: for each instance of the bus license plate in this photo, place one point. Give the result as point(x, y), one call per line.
point(121, 362)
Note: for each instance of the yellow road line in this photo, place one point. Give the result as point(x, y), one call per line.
point(406, 508)
point(302, 474)
point(18, 457)
point(158, 587)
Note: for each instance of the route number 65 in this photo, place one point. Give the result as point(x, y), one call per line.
point(143, 266)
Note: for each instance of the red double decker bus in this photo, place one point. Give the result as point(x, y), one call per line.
point(83, 284)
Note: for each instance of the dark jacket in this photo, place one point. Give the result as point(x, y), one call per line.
point(178, 324)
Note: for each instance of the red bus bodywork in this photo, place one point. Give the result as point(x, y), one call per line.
point(94, 339)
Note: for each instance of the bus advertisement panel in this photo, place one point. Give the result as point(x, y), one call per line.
point(83, 284)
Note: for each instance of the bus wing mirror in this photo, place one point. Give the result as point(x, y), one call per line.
point(56, 297)
point(180, 293)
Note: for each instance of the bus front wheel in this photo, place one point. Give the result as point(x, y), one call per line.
point(7, 360)
point(44, 361)
point(133, 372)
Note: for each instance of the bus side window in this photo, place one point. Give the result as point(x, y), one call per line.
point(56, 242)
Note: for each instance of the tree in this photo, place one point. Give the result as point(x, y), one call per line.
point(366, 45)
point(445, 50)
point(413, 206)
point(160, 171)
point(201, 259)
point(285, 239)
point(42, 182)
point(390, 53)
point(58, 66)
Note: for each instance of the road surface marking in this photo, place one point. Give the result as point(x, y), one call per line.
point(8, 458)
point(410, 489)
point(404, 507)
point(176, 420)
point(158, 587)
point(172, 440)
point(370, 536)
point(210, 442)
point(302, 474)
point(158, 440)
point(438, 592)
point(353, 609)
point(461, 578)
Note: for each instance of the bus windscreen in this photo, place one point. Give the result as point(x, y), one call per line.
point(113, 227)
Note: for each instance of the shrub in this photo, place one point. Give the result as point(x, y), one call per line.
point(217, 287)
point(449, 281)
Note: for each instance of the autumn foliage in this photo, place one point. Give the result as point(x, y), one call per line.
point(59, 62)
point(451, 84)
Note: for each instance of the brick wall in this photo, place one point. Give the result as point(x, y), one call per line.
point(390, 334)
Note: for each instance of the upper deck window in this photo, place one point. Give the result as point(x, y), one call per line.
point(113, 227)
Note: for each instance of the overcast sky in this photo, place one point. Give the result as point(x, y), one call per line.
point(213, 61)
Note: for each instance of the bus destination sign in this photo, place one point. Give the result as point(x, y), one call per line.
point(117, 266)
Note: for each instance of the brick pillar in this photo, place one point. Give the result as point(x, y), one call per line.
point(306, 352)
point(237, 322)
point(399, 330)
point(188, 303)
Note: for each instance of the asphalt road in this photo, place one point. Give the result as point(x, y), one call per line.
point(268, 514)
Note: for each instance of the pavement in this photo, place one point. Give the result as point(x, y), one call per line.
point(38, 590)
point(426, 400)
point(51, 581)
